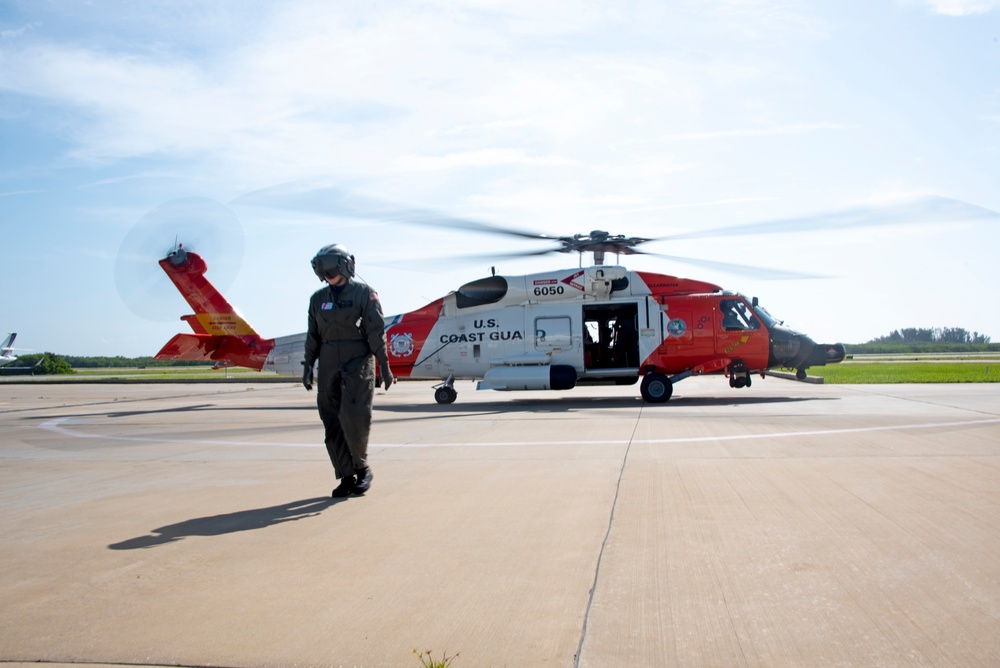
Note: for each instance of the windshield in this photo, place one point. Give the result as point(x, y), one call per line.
point(769, 320)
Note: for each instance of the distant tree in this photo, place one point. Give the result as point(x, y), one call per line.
point(917, 334)
point(892, 337)
point(51, 364)
point(954, 335)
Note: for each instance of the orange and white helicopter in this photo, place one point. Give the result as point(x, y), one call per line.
point(545, 331)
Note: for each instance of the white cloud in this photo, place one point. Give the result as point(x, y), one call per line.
point(960, 7)
point(799, 128)
point(10, 33)
point(481, 158)
point(337, 89)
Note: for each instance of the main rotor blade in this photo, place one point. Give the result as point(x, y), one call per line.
point(929, 209)
point(763, 273)
point(467, 258)
point(331, 200)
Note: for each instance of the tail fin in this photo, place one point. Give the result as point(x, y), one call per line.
point(8, 343)
point(221, 335)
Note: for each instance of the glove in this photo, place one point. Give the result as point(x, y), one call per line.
point(385, 376)
point(307, 375)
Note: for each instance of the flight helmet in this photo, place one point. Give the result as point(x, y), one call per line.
point(332, 260)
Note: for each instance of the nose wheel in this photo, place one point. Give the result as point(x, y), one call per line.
point(740, 381)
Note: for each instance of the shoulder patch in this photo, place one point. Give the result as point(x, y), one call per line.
point(373, 296)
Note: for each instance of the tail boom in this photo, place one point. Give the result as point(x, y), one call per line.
point(221, 335)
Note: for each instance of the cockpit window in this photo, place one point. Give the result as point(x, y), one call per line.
point(487, 290)
point(737, 316)
point(768, 319)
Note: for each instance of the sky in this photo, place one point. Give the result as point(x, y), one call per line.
point(257, 132)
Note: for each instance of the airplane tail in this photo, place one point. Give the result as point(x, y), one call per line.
point(8, 343)
point(221, 335)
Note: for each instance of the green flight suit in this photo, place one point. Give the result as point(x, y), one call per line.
point(346, 334)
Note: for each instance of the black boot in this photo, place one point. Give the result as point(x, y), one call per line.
point(364, 480)
point(345, 487)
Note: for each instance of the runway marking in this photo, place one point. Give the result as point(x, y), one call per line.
point(56, 426)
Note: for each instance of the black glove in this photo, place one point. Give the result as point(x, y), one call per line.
point(385, 376)
point(307, 376)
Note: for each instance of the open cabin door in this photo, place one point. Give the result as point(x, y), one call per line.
point(610, 336)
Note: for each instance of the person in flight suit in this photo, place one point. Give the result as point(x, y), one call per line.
point(346, 334)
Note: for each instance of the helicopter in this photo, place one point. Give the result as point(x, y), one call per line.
point(554, 330)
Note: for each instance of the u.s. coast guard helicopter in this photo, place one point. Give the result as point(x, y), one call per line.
point(546, 331)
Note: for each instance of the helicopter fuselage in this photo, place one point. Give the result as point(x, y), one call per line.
point(555, 330)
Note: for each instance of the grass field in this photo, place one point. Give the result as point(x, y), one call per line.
point(924, 370)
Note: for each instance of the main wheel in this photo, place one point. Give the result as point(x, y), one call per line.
point(800, 374)
point(445, 395)
point(656, 388)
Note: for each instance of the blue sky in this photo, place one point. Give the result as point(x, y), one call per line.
point(121, 123)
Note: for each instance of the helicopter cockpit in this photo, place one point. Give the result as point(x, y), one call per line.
point(737, 315)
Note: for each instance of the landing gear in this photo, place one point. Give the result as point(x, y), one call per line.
point(656, 388)
point(740, 381)
point(800, 374)
point(446, 394)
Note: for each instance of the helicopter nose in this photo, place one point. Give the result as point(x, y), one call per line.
point(787, 347)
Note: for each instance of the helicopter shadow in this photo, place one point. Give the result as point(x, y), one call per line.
point(573, 404)
point(217, 525)
point(210, 407)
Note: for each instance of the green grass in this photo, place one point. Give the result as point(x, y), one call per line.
point(179, 373)
point(855, 372)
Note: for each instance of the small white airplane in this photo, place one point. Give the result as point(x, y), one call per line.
point(7, 355)
point(6, 351)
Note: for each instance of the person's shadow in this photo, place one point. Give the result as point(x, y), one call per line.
point(216, 525)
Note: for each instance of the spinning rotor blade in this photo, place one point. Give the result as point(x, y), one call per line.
point(763, 273)
point(930, 209)
point(331, 200)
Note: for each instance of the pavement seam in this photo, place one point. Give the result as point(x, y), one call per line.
point(604, 542)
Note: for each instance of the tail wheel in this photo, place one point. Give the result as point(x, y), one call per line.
point(656, 388)
point(445, 395)
point(800, 374)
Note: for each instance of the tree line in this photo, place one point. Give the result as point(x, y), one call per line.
point(932, 335)
point(44, 364)
point(926, 340)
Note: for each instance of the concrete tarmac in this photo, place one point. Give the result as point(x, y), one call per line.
point(787, 524)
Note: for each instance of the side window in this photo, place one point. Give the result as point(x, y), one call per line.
point(553, 333)
point(737, 316)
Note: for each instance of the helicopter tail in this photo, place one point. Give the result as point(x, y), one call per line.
point(221, 335)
